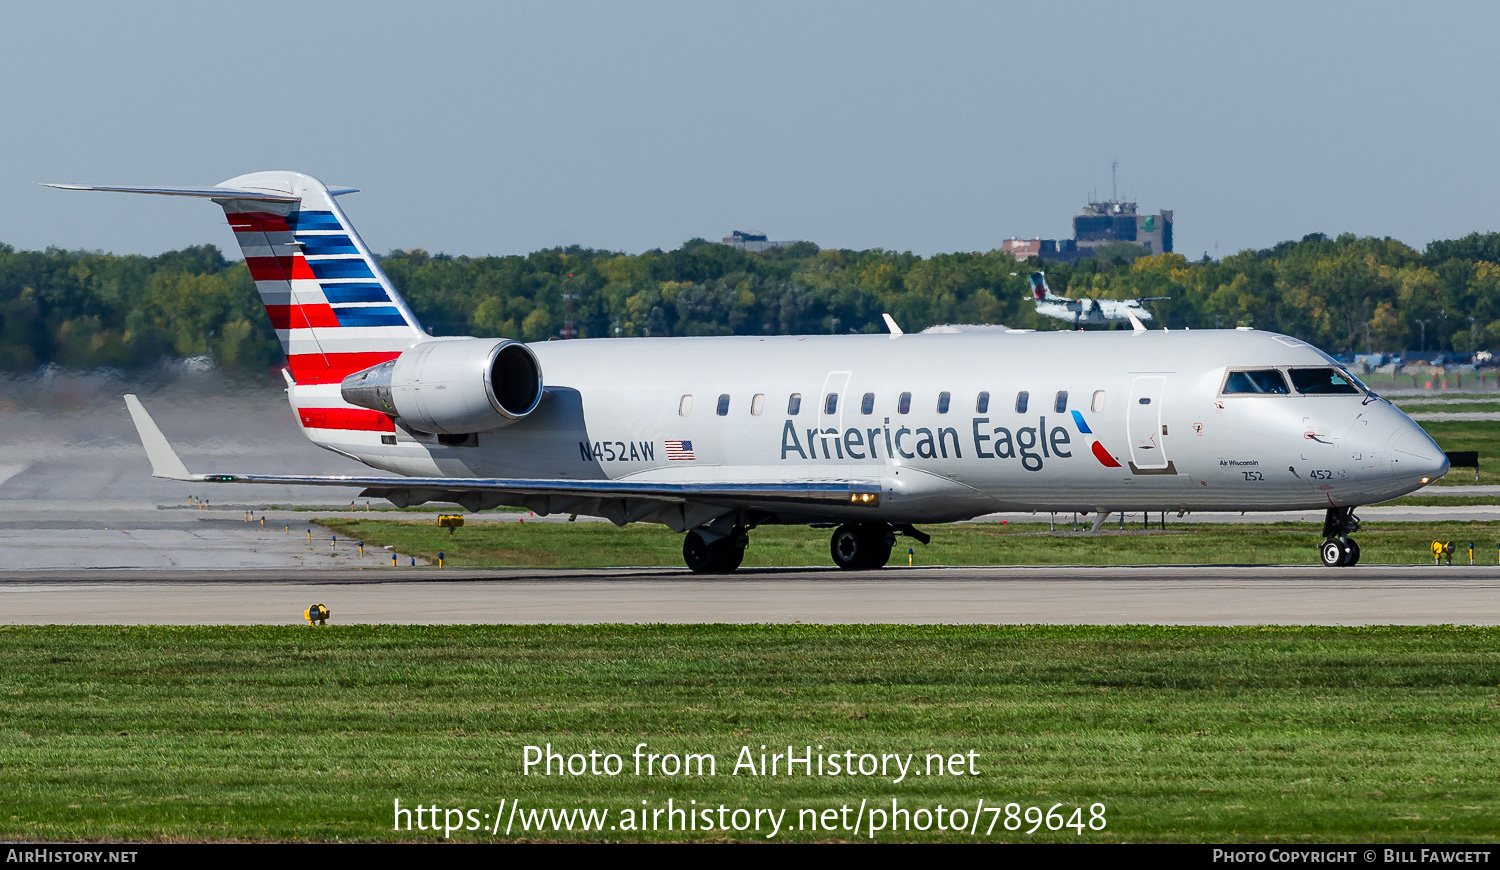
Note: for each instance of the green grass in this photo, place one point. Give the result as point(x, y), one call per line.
point(1443, 500)
point(276, 733)
point(1469, 381)
point(1480, 435)
point(1425, 407)
point(599, 545)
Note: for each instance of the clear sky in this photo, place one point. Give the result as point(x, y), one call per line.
point(490, 128)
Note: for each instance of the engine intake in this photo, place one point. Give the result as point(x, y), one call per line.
point(452, 387)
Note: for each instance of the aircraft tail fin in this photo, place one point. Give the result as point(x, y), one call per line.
point(1039, 288)
point(332, 306)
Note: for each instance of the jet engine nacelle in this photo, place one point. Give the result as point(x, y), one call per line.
point(453, 386)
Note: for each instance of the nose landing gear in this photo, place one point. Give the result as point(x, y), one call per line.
point(1338, 549)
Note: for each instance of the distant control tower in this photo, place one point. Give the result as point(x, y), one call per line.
point(1112, 220)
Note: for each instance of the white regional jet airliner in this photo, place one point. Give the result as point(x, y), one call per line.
point(869, 434)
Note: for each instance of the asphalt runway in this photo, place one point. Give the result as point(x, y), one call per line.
point(1221, 595)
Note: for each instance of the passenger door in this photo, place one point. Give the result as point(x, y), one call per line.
point(1143, 421)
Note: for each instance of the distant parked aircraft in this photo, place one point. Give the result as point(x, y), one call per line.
point(1091, 312)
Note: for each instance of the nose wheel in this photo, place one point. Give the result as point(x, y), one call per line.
point(1338, 549)
point(1342, 551)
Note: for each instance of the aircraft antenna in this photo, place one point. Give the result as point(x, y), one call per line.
point(1114, 195)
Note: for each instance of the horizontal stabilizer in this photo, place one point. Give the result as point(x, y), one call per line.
point(205, 192)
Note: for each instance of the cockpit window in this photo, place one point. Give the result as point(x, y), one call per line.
point(1323, 382)
point(1268, 382)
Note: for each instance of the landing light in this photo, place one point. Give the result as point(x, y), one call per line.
point(1426, 479)
point(869, 499)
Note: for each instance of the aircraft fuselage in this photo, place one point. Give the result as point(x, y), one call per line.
point(953, 426)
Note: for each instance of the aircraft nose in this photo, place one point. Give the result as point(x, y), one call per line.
point(1415, 457)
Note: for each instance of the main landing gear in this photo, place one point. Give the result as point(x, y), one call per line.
point(1337, 547)
point(720, 556)
point(854, 546)
point(857, 546)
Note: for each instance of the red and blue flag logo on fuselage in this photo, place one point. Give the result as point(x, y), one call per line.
point(1098, 449)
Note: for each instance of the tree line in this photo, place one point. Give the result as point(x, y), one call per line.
point(84, 309)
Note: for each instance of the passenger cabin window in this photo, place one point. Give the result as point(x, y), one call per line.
point(982, 404)
point(794, 404)
point(1322, 382)
point(867, 404)
point(724, 405)
point(1263, 382)
point(1097, 406)
point(943, 401)
point(1061, 404)
point(903, 404)
point(1021, 399)
point(757, 404)
point(685, 407)
point(831, 404)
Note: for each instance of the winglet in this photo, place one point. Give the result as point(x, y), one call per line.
point(1135, 322)
point(164, 460)
point(890, 323)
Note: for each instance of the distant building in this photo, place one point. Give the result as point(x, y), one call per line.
point(752, 241)
point(1098, 225)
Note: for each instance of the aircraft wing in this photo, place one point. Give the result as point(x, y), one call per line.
point(618, 500)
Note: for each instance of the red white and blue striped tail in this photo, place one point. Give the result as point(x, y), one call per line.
point(333, 308)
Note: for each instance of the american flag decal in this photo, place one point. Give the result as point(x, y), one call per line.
point(679, 450)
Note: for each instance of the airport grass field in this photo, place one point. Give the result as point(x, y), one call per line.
point(1182, 734)
point(599, 545)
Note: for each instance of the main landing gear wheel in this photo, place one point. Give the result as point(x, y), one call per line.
point(718, 557)
point(857, 546)
point(1338, 549)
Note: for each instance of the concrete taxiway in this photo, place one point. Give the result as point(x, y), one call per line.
point(1221, 595)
